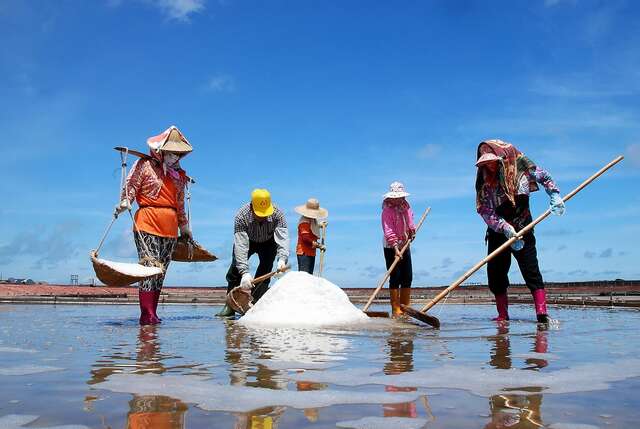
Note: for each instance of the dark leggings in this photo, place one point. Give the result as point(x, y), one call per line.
point(266, 254)
point(306, 263)
point(161, 249)
point(527, 258)
point(402, 274)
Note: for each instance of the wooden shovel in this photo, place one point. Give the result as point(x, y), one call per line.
point(388, 273)
point(433, 321)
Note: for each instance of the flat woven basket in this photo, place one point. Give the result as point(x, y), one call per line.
point(239, 299)
point(191, 251)
point(119, 274)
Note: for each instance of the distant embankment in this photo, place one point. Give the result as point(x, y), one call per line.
point(616, 293)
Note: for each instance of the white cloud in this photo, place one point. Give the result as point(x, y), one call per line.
point(180, 10)
point(429, 151)
point(221, 83)
point(633, 154)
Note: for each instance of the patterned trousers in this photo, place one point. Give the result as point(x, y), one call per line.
point(160, 249)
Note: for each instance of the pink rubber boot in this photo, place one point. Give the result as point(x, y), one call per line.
point(146, 307)
point(502, 305)
point(540, 302)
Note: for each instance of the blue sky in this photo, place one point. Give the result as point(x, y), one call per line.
point(329, 99)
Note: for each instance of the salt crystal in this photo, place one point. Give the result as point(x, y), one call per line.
point(300, 299)
point(134, 270)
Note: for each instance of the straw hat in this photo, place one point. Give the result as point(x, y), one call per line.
point(170, 140)
point(396, 190)
point(312, 210)
point(486, 158)
point(261, 202)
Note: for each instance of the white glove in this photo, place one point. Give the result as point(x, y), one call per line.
point(245, 282)
point(186, 232)
point(281, 264)
point(510, 232)
point(122, 207)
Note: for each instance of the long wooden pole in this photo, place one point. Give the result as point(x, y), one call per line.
point(519, 235)
point(395, 262)
point(324, 234)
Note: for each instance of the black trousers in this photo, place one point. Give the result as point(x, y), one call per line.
point(266, 254)
point(402, 274)
point(306, 263)
point(498, 267)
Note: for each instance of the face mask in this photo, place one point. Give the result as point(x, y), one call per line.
point(171, 159)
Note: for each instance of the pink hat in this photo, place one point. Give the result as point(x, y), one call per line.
point(487, 157)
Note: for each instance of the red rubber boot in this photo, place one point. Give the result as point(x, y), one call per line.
point(156, 299)
point(502, 305)
point(540, 302)
point(146, 307)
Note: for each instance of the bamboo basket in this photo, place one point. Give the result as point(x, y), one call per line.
point(119, 274)
point(191, 251)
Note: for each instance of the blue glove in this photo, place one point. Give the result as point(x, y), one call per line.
point(510, 232)
point(557, 205)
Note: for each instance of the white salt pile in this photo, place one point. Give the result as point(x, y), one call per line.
point(134, 270)
point(302, 300)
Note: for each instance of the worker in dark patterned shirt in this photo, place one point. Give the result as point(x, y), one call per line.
point(259, 227)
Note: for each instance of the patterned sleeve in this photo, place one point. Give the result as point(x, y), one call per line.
point(487, 211)
point(133, 182)
point(182, 216)
point(544, 178)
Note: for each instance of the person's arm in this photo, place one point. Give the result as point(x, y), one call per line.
point(281, 237)
point(543, 177)
point(410, 223)
point(241, 245)
point(488, 213)
point(305, 234)
point(134, 182)
point(387, 227)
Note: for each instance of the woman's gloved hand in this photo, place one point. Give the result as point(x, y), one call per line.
point(510, 232)
point(557, 205)
point(122, 207)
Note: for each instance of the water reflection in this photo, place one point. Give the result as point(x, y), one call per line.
point(145, 411)
point(243, 348)
point(400, 360)
point(516, 411)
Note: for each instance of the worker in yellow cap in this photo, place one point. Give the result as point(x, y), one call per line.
point(259, 227)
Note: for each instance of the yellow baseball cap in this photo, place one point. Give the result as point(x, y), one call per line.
point(261, 202)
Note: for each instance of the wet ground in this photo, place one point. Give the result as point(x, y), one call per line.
point(77, 366)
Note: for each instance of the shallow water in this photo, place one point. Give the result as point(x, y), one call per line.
point(93, 366)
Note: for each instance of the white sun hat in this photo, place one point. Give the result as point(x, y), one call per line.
point(396, 190)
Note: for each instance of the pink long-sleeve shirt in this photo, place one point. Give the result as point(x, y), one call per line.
point(397, 224)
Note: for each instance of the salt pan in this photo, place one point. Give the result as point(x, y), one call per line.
point(214, 397)
point(488, 381)
point(15, 421)
point(302, 300)
point(384, 423)
point(27, 370)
